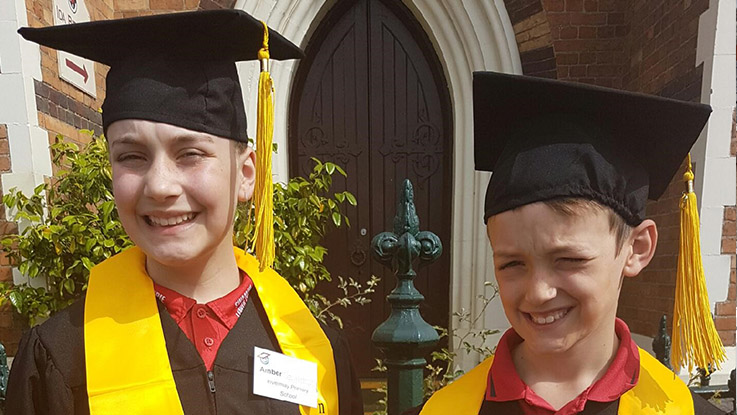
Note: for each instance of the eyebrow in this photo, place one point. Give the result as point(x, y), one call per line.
point(184, 138)
point(560, 249)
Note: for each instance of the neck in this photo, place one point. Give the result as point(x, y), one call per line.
point(560, 377)
point(202, 281)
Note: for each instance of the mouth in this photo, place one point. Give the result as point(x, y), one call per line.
point(169, 221)
point(544, 319)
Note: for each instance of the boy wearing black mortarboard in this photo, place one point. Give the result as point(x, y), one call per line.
point(573, 166)
point(170, 326)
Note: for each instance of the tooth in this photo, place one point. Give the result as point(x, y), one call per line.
point(549, 319)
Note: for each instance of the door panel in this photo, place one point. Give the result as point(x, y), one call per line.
point(371, 97)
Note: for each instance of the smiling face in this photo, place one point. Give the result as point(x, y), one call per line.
point(176, 190)
point(559, 275)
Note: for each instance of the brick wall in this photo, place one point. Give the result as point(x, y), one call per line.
point(661, 58)
point(10, 324)
point(62, 108)
point(638, 45)
point(589, 39)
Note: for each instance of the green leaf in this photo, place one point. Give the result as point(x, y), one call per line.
point(69, 286)
point(351, 198)
point(87, 263)
point(336, 218)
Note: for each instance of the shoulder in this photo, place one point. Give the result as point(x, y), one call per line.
point(659, 390)
point(62, 336)
point(49, 368)
point(464, 395)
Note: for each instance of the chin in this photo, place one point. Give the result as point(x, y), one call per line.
point(172, 256)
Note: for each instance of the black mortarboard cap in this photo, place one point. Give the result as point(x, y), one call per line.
point(174, 68)
point(545, 139)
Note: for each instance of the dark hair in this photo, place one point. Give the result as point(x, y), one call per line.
point(570, 206)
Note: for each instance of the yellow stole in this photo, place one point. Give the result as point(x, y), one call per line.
point(121, 319)
point(658, 391)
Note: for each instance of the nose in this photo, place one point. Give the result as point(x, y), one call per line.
point(162, 180)
point(540, 288)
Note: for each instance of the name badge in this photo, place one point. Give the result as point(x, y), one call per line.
point(285, 378)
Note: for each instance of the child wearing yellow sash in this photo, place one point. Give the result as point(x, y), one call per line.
point(171, 325)
point(572, 168)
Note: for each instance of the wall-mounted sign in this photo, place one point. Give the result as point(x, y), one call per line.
point(79, 72)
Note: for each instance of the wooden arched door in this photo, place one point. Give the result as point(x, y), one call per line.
point(371, 97)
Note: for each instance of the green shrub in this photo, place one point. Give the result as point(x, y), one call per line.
point(71, 224)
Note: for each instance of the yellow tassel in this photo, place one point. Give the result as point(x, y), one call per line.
point(264, 194)
point(695, 338)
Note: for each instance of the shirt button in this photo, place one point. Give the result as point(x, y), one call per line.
point(201, 313)
point(209, 341)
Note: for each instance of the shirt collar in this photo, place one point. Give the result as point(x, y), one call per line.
point(504, 383)
point(227, 308)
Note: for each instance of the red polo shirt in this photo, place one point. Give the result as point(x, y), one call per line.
point(504, 383)
point(206, 325)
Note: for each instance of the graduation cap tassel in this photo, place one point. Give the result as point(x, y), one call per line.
point(695, 338)
point(264, 197)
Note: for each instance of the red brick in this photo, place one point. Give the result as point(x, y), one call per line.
point(559, 19)
point(578, 71)
point(4, 146)
point(568, 32)
point(3, 131)
point(554, 5)
point(588, 19)
point(587, 57)
point(6, 319)
point(574, 5)
point(727, 337)
point(4, 163)
point(730, 213)
point(586, 32)
point(607, 5)
point(729, 228)
point(4, 260)
point(725, 323)
point(566, 58)
point(605, 32)
point(725, 309)
point(729, 246)
point(731, 295)
point(591, 5)
point(6, 273)
point(166, 4)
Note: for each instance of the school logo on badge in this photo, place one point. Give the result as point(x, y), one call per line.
point(264, 358)
point(73, 5)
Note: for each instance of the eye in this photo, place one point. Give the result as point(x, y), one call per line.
point(573, 261)
point(191, 154)
point(129, 157)
point(508, 265)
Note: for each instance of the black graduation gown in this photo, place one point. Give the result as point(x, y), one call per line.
point(48, 374)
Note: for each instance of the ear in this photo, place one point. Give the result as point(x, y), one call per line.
point(642, 243)
point(247, 166)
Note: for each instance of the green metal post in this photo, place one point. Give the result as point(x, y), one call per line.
point(405, 336)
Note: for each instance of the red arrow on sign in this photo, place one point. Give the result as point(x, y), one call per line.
point(82, 71)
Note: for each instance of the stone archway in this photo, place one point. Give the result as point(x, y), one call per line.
point(467, 36)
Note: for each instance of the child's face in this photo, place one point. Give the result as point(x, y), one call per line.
point(176, 190)
point(559, 277)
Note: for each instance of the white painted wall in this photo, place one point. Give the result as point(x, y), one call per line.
point(20, 64)
point(468, 35)
point(716, 176)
